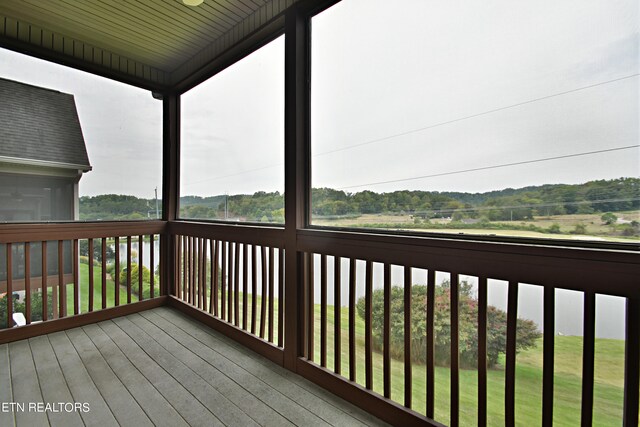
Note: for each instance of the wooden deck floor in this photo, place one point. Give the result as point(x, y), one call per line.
point(158, 367)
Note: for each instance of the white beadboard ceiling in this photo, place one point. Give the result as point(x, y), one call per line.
point(156, 42)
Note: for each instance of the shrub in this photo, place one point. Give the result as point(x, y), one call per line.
point(146, 277)
point(526, 331)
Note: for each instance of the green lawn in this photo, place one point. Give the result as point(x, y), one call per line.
point(568, 369)
point(97, 291)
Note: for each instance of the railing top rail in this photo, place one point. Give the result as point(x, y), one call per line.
point(34, 232)
point(268, 236)
point(608, 272)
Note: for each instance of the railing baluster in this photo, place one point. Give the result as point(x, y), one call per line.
point(548, 354)
point(27, 281)
point(631, 362)
point(204, 247)
point(386, 334)
point(352, 319)
point(116, 296)
point(76, 277)
point(254, 287)
point(91, 289)
point(510, 371)
point(323, 310)
point(9, 295)
point(236, 283)
point(195, 259)
point(192, 270)
point(588, 353)
point(230, 282)
point(280, 297)
point(245, 284)
point(214, 278)
point(223, 286)
point(368, 340)
point(431, 299)
point(104, 273)
point(407, 337)
point(128, 269)
point(185, 265)
point(199, 243)
point(43, 288)
point(337, 332)
point(310, 308)
point(62, 287)
point(152, 266)
point(140, 267)
point(482, 351)
point(270, 309)
point(454, 372)
point(263, 300)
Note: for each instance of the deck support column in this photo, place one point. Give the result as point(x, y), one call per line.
point(170, 187)
point(297, 175)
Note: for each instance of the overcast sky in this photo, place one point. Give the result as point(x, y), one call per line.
point(397, 93)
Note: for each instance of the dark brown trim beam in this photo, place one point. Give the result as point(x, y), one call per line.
point(170, 188)
point(296, 176)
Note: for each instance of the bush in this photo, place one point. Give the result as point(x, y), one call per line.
point(146, 278)
point(579, 229)
point(19, 307)
point(526, 331)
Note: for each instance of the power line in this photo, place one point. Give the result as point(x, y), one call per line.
point(495, 110)
point(386, 138)
point(524, 162)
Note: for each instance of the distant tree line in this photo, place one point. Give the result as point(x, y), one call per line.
point(601, 196)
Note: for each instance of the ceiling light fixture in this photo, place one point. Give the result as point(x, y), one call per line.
point(192, 2)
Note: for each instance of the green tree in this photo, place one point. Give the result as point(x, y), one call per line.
point(526, 330)
point(609, 218)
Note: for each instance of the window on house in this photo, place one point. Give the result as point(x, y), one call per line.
point(478, 119)
point(232, 142)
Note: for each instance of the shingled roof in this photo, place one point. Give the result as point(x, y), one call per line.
point(41, 125)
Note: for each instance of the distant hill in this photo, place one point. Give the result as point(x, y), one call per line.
point(613, 195)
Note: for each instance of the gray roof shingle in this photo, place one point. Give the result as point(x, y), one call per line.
point(40, 124)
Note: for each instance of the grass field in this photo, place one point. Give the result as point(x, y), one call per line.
point(568, 371)
point(595, 229)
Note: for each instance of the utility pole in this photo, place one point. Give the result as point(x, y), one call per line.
point(157, 208)
point(226, 196)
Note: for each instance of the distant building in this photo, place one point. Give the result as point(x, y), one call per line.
point(42, 154)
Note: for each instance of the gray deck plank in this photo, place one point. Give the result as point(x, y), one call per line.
point(6, 392)
point(194, 412)
point(331, 408)
point(122, 404)
point(160, 367)
point(26, 388)
point(52, 383)
point(223, 408)
point(152, 402)
point(281, 403)
point(80, 383)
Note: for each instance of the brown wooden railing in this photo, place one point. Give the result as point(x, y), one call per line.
point(351, 260)
point(42, 265)
point(232, 278)
point(235, 277)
